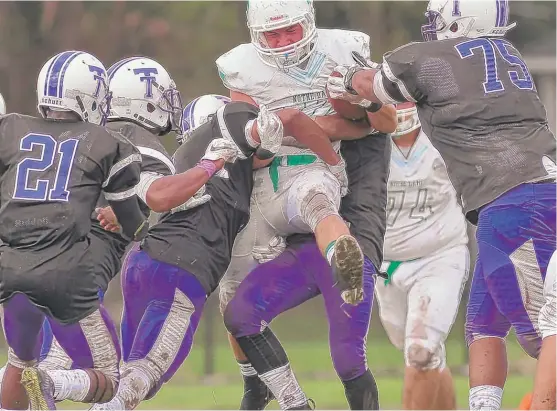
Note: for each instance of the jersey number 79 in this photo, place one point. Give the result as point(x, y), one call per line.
point(520, 77)
point(51, 189)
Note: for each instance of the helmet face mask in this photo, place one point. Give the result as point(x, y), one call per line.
point(198, 111)
point(144, 93)
point(74, 81)
point(264, 16)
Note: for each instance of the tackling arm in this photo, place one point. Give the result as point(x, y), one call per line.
point(165, 193)
point(307, 132)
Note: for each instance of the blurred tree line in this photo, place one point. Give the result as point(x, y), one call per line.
point(187, 37)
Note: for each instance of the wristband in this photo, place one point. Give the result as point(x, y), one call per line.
point(208, 166)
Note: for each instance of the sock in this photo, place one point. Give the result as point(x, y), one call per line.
point(485, 397)
point(330, 251)
point(284, 386)
point(256, 394)
point(70, 385)
point(246, 369)
point(361, 392)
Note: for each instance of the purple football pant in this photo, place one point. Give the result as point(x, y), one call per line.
point(65, 355)
point(162, 308)
point(297, 275)
point(516, 237)
point(89, 340)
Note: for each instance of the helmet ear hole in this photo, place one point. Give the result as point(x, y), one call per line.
point(454, 27)
point(151, 107)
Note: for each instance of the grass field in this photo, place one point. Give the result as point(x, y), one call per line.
point(190, 389)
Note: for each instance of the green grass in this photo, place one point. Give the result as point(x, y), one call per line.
point(190, 389)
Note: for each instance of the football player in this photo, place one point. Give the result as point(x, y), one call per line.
point(426, 261)
point(171, 273)
point(297, 193)
point(53, 169)
point(480, 108)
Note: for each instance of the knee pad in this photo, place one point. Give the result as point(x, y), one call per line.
point(227, 290)
point(422, 358)
point(316, 206)
point(314, 197)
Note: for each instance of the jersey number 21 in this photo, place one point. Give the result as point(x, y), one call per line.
point(51, 189)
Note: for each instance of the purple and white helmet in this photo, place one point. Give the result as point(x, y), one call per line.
point(198, 111)
point(447, 19)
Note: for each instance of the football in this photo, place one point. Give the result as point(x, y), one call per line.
point(344, 108)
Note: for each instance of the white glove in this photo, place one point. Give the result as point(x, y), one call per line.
point(269, 252)
point(198, 198)
point(339, 171)
point(336, 86)
point(223, 149)
point(270, 129)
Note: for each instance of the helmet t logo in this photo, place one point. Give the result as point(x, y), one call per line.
point(147, 78)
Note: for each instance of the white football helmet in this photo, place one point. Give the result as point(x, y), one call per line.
point(267, 15)
point(2, 105)
point(198, 111)
point(143, 92)
point(447, 19)
point(407, 119)
point(74, 81)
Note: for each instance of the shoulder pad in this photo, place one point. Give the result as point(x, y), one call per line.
point(346, 39)
point(233, 64)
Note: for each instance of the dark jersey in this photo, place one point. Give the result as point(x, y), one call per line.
point(199, 240)
point(154, 159)
point(478, 104)
point(367, 166)
point(51, 175)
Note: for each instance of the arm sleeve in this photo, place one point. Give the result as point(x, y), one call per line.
point(232, 120)
point(399, 74)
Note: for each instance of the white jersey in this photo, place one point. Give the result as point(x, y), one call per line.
point(301, 87)
point(423, 215)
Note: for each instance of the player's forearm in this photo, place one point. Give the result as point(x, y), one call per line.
point(169, 192)
point(131, 219)
point(384, 120)
point(339, 128)
point(309, 133)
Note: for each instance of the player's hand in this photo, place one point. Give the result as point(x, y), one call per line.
point(107, 219)
point(339, 171)
point(271, 132)
point(340, 88)
point(223, 149)
point(264, 254)
point(201, 197)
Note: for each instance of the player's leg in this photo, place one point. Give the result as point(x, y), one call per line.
point(133, 306)
point(175, 300)
point(348, 329)
point(311, 203)
point(93, 343)
point(516, 238)
point(270, 289)
point(486, 329)
point(22, 323)
point(543, 396)
point(434, 291)
point(257, 233)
